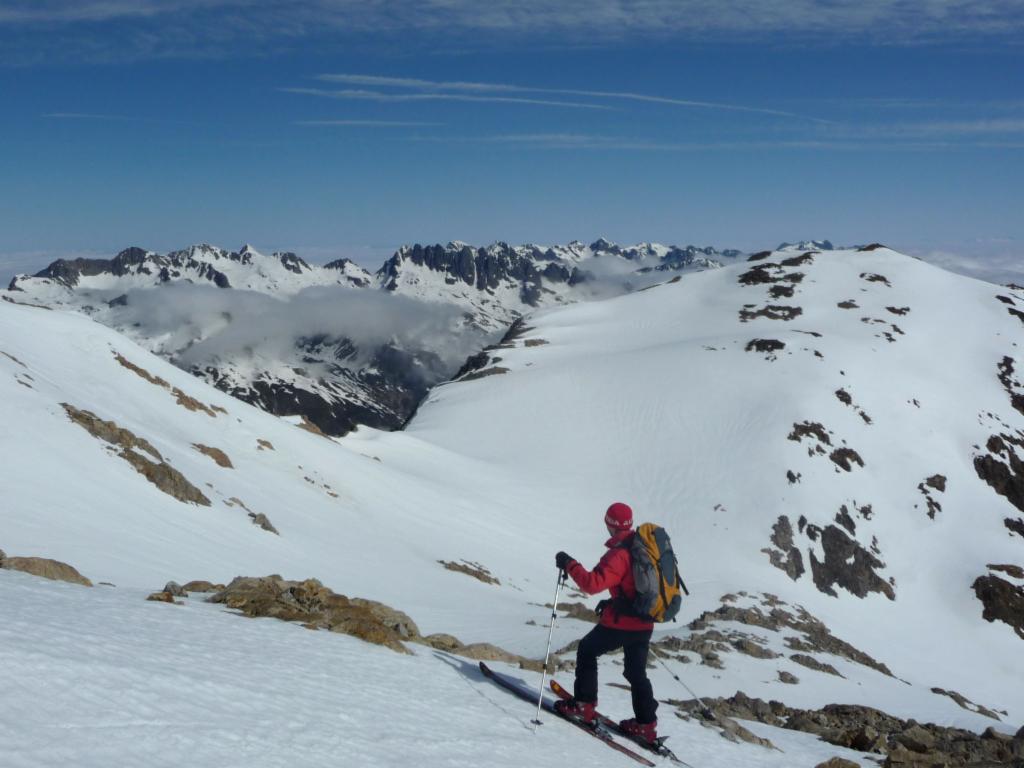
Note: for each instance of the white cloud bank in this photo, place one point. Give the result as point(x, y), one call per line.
point(237, 324)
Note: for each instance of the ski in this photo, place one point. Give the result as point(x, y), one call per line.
point(658, 748)
point(598, 732)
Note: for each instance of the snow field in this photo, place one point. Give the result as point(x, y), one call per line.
point(626, 402)
point(99, 677)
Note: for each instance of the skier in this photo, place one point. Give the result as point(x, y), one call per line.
point(619, 628)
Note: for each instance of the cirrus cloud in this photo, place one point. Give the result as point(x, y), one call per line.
point(134, 29)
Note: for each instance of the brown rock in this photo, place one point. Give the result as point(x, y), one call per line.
point(904, 758)
point(867, 739)
point(161, 597)
point(311, 603)
point(175, 589)
point(360, 623)
point(750, 648)
point(788, 678)
point(202, 586)
point(1012, 570)
point(487, 652)
point(475, 570)
point(159, 472)
point(263, 522)
point(45, 568)
point(812, 663)
point(837, 762)
point(1002, 601)
point(443, 642)
point(579, 611)
point(218, 456)
point(916, 739)
point(389, 617)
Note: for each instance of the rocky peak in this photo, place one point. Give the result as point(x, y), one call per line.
point(807, 245)
point(293, 263)
point(69, 272)
point(601, 245)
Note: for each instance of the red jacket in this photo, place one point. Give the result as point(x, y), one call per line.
point(614, 573)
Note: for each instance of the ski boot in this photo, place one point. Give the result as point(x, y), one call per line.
point(645, 732)
point(583, 711)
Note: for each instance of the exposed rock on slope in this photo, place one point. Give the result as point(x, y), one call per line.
point(317, 607)
point(43, 567)
point(904, 742)
point(1003, 601)
point(159, 472)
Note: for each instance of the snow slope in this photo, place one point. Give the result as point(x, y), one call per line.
point(649, 398)
point(652, 398)
point(95, 678)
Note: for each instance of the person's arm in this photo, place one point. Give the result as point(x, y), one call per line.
point(608, 573)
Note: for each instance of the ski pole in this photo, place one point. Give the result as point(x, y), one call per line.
point(708, 713)
point(547, 652)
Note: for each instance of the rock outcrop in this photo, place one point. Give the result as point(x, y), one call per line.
point(316, 607)
point(131, 448)
point(902, 742)
point(1002, 601)
point(44, 568)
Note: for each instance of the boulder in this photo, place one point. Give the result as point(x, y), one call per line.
point(916, 739)
point(202, 586)
point(750, 648)
point(837, 762)
point(867, 739)
point(361, 623)
point(1002, 601)
point(443, 642)
point(901, 757)
point(175, 589)
point(487, 652)
point(313, 605)
point(396, 620)
point(788, 678)
point(161, 597)
point(45, 568)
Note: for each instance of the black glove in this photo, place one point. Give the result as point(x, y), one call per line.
point(602, 605)
point(562, 560)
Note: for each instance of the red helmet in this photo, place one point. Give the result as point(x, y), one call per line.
point(619, 516)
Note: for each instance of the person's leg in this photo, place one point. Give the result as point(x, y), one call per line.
point(645, 706)
point(598, 641)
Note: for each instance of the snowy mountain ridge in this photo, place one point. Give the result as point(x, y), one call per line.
point(334, 368)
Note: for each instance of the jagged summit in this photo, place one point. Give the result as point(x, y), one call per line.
point(807, 245)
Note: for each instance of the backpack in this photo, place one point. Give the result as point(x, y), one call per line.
point(656, 574)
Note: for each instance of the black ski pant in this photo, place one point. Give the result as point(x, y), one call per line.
point(635, 645)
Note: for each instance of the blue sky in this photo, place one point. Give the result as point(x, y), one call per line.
point(340, 127)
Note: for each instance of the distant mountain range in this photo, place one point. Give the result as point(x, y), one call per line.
point(321, 351)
